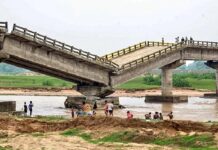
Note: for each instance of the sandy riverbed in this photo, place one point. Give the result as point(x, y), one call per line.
point(25, 134)
point(119, 93)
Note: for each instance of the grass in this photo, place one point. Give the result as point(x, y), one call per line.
point(33, 82)
point(79, 133)
point(51, 118)
point(195, 142)
point(195, 81)
point(208, 84)
point(6, 148)
point(139, 83)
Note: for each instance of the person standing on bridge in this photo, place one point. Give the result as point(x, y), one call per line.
point(162, 41)
point(177, 39)
point(31, 108)
point(182, 40)
point(191, 40)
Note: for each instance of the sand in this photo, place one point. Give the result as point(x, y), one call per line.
point(117, 93)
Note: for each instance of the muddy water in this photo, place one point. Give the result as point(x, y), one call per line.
point(197, 109)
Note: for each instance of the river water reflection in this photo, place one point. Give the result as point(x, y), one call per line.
point(197, 109)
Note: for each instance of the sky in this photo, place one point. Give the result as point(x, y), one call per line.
point(103, 26)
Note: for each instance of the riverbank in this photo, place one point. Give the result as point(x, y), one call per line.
point(117, 93)
point(87, 133)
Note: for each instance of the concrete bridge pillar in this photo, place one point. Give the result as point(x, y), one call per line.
point(167, 77)
point(217, 81)
point(166, 82)
point(214, 65)
point(167, 85)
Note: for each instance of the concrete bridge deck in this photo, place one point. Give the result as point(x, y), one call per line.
point(136, 55)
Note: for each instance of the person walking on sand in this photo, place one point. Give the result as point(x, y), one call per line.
point(110, 108)
point(25, 109)
point(170, 115)
point(129, 115)
point(31, 108)
point(106, 108)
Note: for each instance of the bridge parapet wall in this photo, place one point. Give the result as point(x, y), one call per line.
point(44, 40)
point(3, 31)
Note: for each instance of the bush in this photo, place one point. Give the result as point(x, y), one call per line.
point(152, 80)
point(180, 82)
point(47, 83)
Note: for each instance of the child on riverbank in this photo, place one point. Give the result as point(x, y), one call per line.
point(129, 115)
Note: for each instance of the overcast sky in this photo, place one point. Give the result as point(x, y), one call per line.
point(102, 26)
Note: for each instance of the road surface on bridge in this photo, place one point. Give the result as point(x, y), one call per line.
point(136, 54)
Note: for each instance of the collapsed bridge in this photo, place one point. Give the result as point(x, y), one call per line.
point(95, 75)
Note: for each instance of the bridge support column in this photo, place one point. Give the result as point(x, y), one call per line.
point(166, 82)
point(167, 77)
point(167, 86)
point(214, 65)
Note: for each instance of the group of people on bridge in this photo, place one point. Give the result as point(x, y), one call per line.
point(184, 40)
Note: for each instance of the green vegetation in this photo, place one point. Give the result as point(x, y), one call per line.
point(191, 80)
point(6, 148)
point(121, 137)
point(137, 83)
point(195, 142)
point(79, 133)
point(33, 82)
point(51, 118)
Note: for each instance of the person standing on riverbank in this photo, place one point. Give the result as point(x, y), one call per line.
point(148, 116)
point(106, 108)
point(31, 108)
point(95, 105)
point(111, 108)
point(129, 115)
point(72, 112)
point(170, 115)
point(25, 109)
point(161, 116)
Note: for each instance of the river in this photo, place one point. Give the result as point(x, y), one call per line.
point(196, 109)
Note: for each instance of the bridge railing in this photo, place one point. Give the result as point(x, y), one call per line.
point(151, 56)
point(134, 48)
point(60, 45)
point(202, 43)
point(4, 26)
